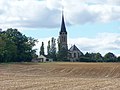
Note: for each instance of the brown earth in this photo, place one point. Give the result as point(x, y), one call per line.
point(60, 76)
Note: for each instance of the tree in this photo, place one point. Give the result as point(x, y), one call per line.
point(62, 54)
point(29, 52)
point(42, 49)
point(118, 59)
point(7, 49)
point(110, 57)
point(48, 48)
point(92, 57)
point(87, 57)
point(53, 49)
point(17, 47)
point(2, 47)
point(98, 57)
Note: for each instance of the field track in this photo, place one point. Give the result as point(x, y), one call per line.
point(60, 76)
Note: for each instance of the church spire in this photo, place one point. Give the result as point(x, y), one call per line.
point(62, 41)
point(63, 27)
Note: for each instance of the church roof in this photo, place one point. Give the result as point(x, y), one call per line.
point(74, 48)
point(63, 28)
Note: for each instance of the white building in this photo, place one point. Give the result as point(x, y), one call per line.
point(42, 58)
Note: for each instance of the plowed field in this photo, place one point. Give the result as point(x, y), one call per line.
point(60, 76)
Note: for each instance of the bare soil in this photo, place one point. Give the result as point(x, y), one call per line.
point(60, 76)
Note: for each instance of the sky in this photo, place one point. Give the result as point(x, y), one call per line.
point(92, 25)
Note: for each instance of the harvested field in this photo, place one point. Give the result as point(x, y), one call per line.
point(60, 76)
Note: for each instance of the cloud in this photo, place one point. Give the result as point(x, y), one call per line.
point(103, 43)
point(113, 2)
point(47, 13)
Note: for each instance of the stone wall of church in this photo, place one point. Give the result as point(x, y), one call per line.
point(74, 55)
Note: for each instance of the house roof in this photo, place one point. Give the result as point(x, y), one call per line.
point(74, 48)
point(41, 56)
point(44, 56)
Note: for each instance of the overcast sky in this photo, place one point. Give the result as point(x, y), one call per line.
point(93, 25)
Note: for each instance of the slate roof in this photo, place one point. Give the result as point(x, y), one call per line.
point(74, 48)
point(63, 28)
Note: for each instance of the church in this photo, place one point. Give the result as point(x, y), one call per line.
point(73, 53)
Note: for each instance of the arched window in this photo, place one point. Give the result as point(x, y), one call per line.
point(78, 55)
point(74, 55)
point(62, 38)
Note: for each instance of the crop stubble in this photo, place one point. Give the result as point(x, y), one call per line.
point(60, 76)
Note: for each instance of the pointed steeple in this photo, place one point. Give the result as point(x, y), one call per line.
point(63, 35)
point(63, 28)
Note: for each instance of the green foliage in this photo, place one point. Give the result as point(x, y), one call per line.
point(8, 49)
point(51, 49)
point(62, 55)
point(88, 57)
point(85, 59)
point(110, 57)
point(16, 47)
point(42, 49)
point(118, 59)
point(48, 48)
point(97, 57)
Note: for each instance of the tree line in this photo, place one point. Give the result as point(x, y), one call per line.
point(16, 47)
point(97, 57)
point(88, 57)
point(51, 49)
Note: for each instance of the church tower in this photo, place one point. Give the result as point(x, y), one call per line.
point(63, 35)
